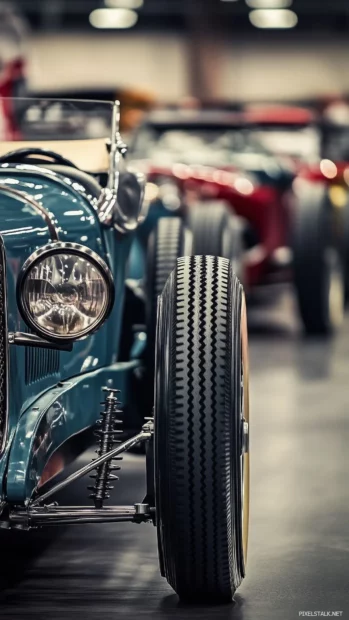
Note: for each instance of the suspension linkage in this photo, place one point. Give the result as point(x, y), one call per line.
point(145, 434)
point(52, 515)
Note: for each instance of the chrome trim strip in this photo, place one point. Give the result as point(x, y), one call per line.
point(115, 154)
point(46, 215)
point(58, 177)
point(24, 339)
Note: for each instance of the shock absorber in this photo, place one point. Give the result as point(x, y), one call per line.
point(106, 432)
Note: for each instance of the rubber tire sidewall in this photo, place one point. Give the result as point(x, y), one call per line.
point(312, 237)
point(217, 231)
point(154, 285)
point(170, 461)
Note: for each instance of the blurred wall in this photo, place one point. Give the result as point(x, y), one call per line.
point(272, 68)
point(150, 62)
point(264, 67)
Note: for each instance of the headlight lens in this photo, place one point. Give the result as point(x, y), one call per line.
point(65, 291)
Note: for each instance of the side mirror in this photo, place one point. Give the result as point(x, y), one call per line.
point(121, 206)
point(120, 203)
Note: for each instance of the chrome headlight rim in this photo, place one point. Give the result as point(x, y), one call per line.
point(75, 249)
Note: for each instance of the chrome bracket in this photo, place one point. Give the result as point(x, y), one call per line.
point(24, 339)
point(106, 206)
point(148, 427)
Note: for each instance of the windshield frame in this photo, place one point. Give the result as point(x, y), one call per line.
point(112, 142)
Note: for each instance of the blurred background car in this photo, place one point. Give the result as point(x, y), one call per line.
point(264, 165)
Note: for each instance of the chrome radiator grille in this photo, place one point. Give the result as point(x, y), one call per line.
point(3, 348)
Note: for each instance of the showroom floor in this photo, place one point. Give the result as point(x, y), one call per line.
point(299, 537)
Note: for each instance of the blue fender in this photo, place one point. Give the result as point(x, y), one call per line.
point(61, 413)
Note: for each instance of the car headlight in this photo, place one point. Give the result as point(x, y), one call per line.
point(65, 291)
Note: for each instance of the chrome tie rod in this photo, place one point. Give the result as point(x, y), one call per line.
point(145, 434)
point(53, 515)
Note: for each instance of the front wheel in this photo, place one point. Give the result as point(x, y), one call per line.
point(201, 430)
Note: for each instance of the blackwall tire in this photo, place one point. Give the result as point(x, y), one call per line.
point(201, 401)
point(168, 241)
point(345, 250)
point(318, 264)
point(217, 231)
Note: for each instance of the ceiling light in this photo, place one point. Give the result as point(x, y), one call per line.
point(273, 18)
point(124, 4)
point(269, 4)
point(113, 18)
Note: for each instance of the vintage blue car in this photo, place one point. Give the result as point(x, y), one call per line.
point(69, 211)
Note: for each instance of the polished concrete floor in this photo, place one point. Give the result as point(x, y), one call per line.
point(299, 537)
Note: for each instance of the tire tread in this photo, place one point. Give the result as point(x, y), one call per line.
point(200, 560)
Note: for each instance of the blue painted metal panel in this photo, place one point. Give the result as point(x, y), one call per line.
point(24, 231)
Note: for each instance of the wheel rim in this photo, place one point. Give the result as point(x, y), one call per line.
point(335, 290)
point(245, 458)
point(229, 244)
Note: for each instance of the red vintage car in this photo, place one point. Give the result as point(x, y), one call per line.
point(291, 227)
point(318, 145)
